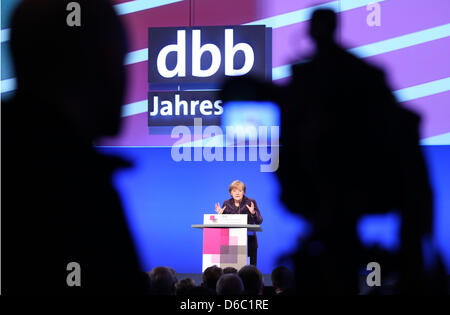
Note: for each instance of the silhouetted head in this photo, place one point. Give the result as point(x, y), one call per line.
point(201, 291)
point(230, 270)
point(230, 284)
point(144, 281)
point(252, 279)
point(74, 72)
point(183, 286)
point(323, 26)
point(282, 279)
point(174, 273)
point(163, 281)
point(210, 277)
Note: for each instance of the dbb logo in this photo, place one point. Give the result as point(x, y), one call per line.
point(198, 50)
point(206, 54)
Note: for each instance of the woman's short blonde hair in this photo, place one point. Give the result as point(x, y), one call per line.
point(236, 184)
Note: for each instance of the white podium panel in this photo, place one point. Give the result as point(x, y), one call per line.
point(229, 219)
point(224, 246)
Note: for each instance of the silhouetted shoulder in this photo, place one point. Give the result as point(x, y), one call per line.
point(301, 67)
point(111, 163)
point(359, 63)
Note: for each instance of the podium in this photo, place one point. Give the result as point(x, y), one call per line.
point(225, 240)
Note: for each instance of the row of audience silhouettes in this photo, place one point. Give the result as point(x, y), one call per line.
point(217, 281)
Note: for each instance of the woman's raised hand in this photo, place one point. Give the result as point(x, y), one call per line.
point(219, 210)
point(251, 208)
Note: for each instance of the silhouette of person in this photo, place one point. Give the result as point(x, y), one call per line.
point(347, 149)
point(59, 203)
point(163, 281)
point(356, 152)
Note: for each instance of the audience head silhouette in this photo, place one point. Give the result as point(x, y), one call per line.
point(163, 281)
point(252, 279)
point(282, 279)
point(323, 26)
point(230, 284)
point(210, 277)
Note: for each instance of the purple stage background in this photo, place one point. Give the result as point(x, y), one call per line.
point(418, 66)
point(412, 44)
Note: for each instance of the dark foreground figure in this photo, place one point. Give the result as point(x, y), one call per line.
point(348, 149)
point(59, 205)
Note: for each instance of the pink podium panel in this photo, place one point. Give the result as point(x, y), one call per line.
point(224, 247)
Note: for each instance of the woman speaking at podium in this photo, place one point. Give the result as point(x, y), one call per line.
point(241, 204)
